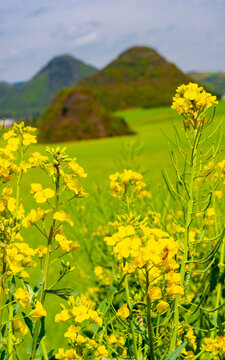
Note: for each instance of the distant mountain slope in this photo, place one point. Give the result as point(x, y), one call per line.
point(77, 114)
point(139, 77)
point(31, 98)
point(215, 82)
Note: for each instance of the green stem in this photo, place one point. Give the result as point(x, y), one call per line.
point(221, 267)
point(131, 321)
point(44, 351)
point(10, 334)
point(219, 285)
point(46, 268)
point(199, 354)
point(149, 322)
point(2, 303)
point(186, 239)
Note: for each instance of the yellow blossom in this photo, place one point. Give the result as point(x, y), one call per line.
point(43, 195)
point(72, 332)
point(63, 217)
point(162, 306)
point(38, 311)
point(18, 325)
point(23, 296)
point(154, 292)
point(102, 351)
point(62, 316)
point(123, 312)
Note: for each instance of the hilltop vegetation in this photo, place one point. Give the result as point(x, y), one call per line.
point(77, 114)
point(139, 77)
point(31, 98)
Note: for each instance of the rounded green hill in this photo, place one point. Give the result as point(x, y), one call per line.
point(77, 114)
point(139, 77)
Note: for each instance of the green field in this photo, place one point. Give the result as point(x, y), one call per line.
point(101, 157)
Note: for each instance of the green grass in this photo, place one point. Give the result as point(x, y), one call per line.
point(100, 157)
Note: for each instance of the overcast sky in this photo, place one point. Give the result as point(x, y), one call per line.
point(190, 33)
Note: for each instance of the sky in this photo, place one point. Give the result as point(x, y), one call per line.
point(190, 33)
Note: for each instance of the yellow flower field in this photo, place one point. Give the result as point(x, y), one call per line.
point(158, 269)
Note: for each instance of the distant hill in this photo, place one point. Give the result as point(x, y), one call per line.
point(139, 77)
point(31, 98)
point(77, 114)
point(215, 82)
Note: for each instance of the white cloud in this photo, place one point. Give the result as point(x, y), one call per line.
point(86, 39)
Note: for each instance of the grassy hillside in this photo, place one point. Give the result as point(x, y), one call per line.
point(77, 114)
point(31, 98)
point(139, 77)
point(101, 157)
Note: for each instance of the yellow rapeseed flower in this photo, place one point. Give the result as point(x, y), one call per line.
point(38, 311)
point(63, 217)
point(123, 312)
point(102, 351)
point(23, 296)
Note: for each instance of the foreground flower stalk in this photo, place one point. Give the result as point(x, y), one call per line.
point(189, 216)
point(137, 357)
point(149, 321)
point(46, 266)
point(191, 102)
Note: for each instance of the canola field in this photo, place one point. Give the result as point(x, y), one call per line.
point(115, 248)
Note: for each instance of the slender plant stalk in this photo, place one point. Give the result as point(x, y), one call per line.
point(2, 290)
point(45, 275)
point(221, 269)
point(10, 309)
point(10, 342)
point(131, 322)
point(44, 351)
point(186, 239)
point(219, 285)
point(149, 323)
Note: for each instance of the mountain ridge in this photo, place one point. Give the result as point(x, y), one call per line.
point(138, 77)
point(31, 98)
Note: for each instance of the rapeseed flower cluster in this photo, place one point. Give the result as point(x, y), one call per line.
point(150, 248)
point(191, 101)
point(215, 346)
point(79, 315)
point(128, 180)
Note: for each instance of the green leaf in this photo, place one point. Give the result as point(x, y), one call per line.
point(103, 306)
point(63, 293)
point(214, 276)
point(3, 330)
point(146, 341)
point(3, 355)
point(176, 352)
point(28, 322)
point(42, 330)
